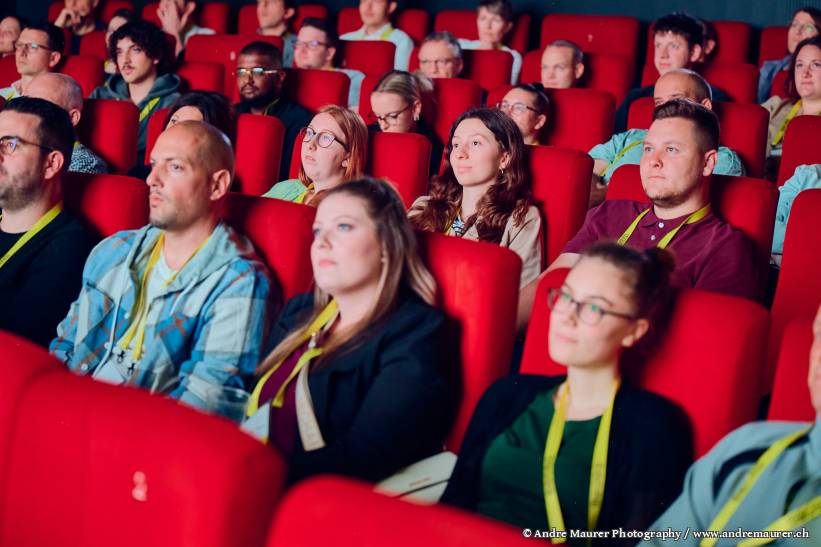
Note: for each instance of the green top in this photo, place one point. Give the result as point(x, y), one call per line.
point(289, 190)
point(511, 480)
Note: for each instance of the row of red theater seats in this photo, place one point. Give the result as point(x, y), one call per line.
point(88, 463)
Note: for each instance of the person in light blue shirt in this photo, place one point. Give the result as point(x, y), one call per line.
point(805, 23)
point(626, 148)
point(806, 177)
point(494, 19)
point(376, 25)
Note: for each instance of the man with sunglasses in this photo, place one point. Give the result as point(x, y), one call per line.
point(259, 79)
point(43, 247)
point(39, 49)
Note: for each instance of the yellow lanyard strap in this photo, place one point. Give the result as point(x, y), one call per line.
point(598, 467)
point(148, 108)
point(41, 223)
point(324, 319)
point(783, 129)
point(619, 156)
point(387, 33)
point(766, 459)
point(301, 197)
point(665, 241)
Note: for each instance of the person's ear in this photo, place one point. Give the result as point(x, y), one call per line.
point(458, 65)
point(417, 110)
point(540, 121)
point(578, 71)
point(94, 4)
point(220, 183)
point(638, 330)
point(504, 161)
point(710, 159)
point(707, 103)
point(391, 8)
point(289, 13)
point(54, 58)
point(53, 164)
point(329, 56)
point(695, 53)
point(74, 114)
point(508, 26)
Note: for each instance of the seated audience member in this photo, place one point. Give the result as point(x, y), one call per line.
point(376, 25)
point(39, 49)
point(679, 155)
point(143, 57)
point(180, 306)
point(43, 247)
point(275, 17)
point(334, 151)
point(483, 193)
point(762, 476)
point(535, 441)
point(440, 56)
point(562, 65)
point(494, 19)
point(528, 107)
point(63, 91)
point(806, 177)
point(204, 106)
point(709, 46)
point(177, 19)
point(259, 79)
point(355, 385)
point(803, 89)
point(79, 17)
point(678, 41)
point(316, 47)
point(806, 23)
point(9, 33)
point(626, 148)
point(398, 102)
point(120, 17)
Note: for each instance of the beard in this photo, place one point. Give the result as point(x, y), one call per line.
point(18, 191)
point(260, 101)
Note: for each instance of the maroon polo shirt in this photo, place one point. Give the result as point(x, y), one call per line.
point(710, 254)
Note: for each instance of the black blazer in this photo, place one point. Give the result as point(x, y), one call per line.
point(382, 405)
point(649, 452)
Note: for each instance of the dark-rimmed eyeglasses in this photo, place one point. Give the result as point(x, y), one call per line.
point(310, 44)
point(30, 46)
point(9, 145)
point(324, 139)
point(589, 313)
point(518, 108)
point(392, 117)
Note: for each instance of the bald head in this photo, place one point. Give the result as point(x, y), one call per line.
point(682, 83)
point(59, 89)
point(212, 149)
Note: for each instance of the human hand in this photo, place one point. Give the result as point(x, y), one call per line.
point(67, 18)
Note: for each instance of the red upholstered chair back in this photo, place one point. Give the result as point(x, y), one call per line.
point(107, 11)
point(738, 80)
point(365, 90)
point(798, 293)
point(93, 45)
point(108, 203)
point(373, 58)
point(368, 518)
point(743, 129)
point(258, 153)
point(203, 76)
point(712, 340)
point(109, 128)
point(314, 89)
point(488, 68)
point(611, 73)
point(97, 459)
point(773, 44)
point(800, 145)
point(790, 397)
point(348, 20)
point(415, 23)
point(156, 125)
point(281, 234)
point(8, 71)
point(247, 22)
point(777, 88)
point(213, 15)
point(610, 34)
point(296, 156)
point(453, 96)
point(561, 185)
point(478, 286)
point(86, 71)
point(404, 160)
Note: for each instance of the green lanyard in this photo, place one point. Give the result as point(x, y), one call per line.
point(663, 242)
point(619, 156)
point(41, 223)
point(148, 108)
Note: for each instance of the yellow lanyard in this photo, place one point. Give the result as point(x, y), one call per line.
point(387, 33)
point(301, 197)
point(791, 520)
point(665, 241)
point(41, 223)
point(325, 318)
point(136, 331)
point(598, 467)
point(148, 108)
point(619, 156)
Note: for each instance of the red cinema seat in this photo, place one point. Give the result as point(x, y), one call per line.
point(519, 37)
point(453, 96)
point(561, 185)
point(365, 90)
point(773, 44)
point(790, 397)
point(213, 15)
point(800, 145)
point(488, 68)
point(348, 20)
point(258, 153)
point(582, 118)
point(108, 203)
point(296, 156)
point(203, 76)
point(611, 73)
point(713, 340)
point(314, 89)
point(738, 80)
point(374, 58)
point(247, 22)
point(415, 23)
point(611, 34)
point(317, 11)
point(156, 125)
point(281, 232)
point(110, 456)
point(799, 286)
point(777, 87)
point(8, 71)
point(363, 518)
point(109, 128)
point(478, 286)
point(93, 45)
point(86, 71)
point(404, 160)
point(743, 129)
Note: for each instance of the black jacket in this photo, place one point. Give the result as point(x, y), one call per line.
point(649, 452)
point(382, 405)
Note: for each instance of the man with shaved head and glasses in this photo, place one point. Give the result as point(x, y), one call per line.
point(43, 247)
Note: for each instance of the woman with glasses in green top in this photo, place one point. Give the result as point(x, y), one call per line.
point(582, 451)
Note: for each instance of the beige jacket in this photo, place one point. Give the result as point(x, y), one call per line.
point(779, 109)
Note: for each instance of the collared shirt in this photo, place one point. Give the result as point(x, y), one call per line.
point(769, 70)
point(403, 42)
point(12, 91)
point(805, 177)
point(710, 254)
point(517, 57)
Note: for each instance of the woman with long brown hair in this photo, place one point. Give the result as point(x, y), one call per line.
point(354, 385)
point(483, 193)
